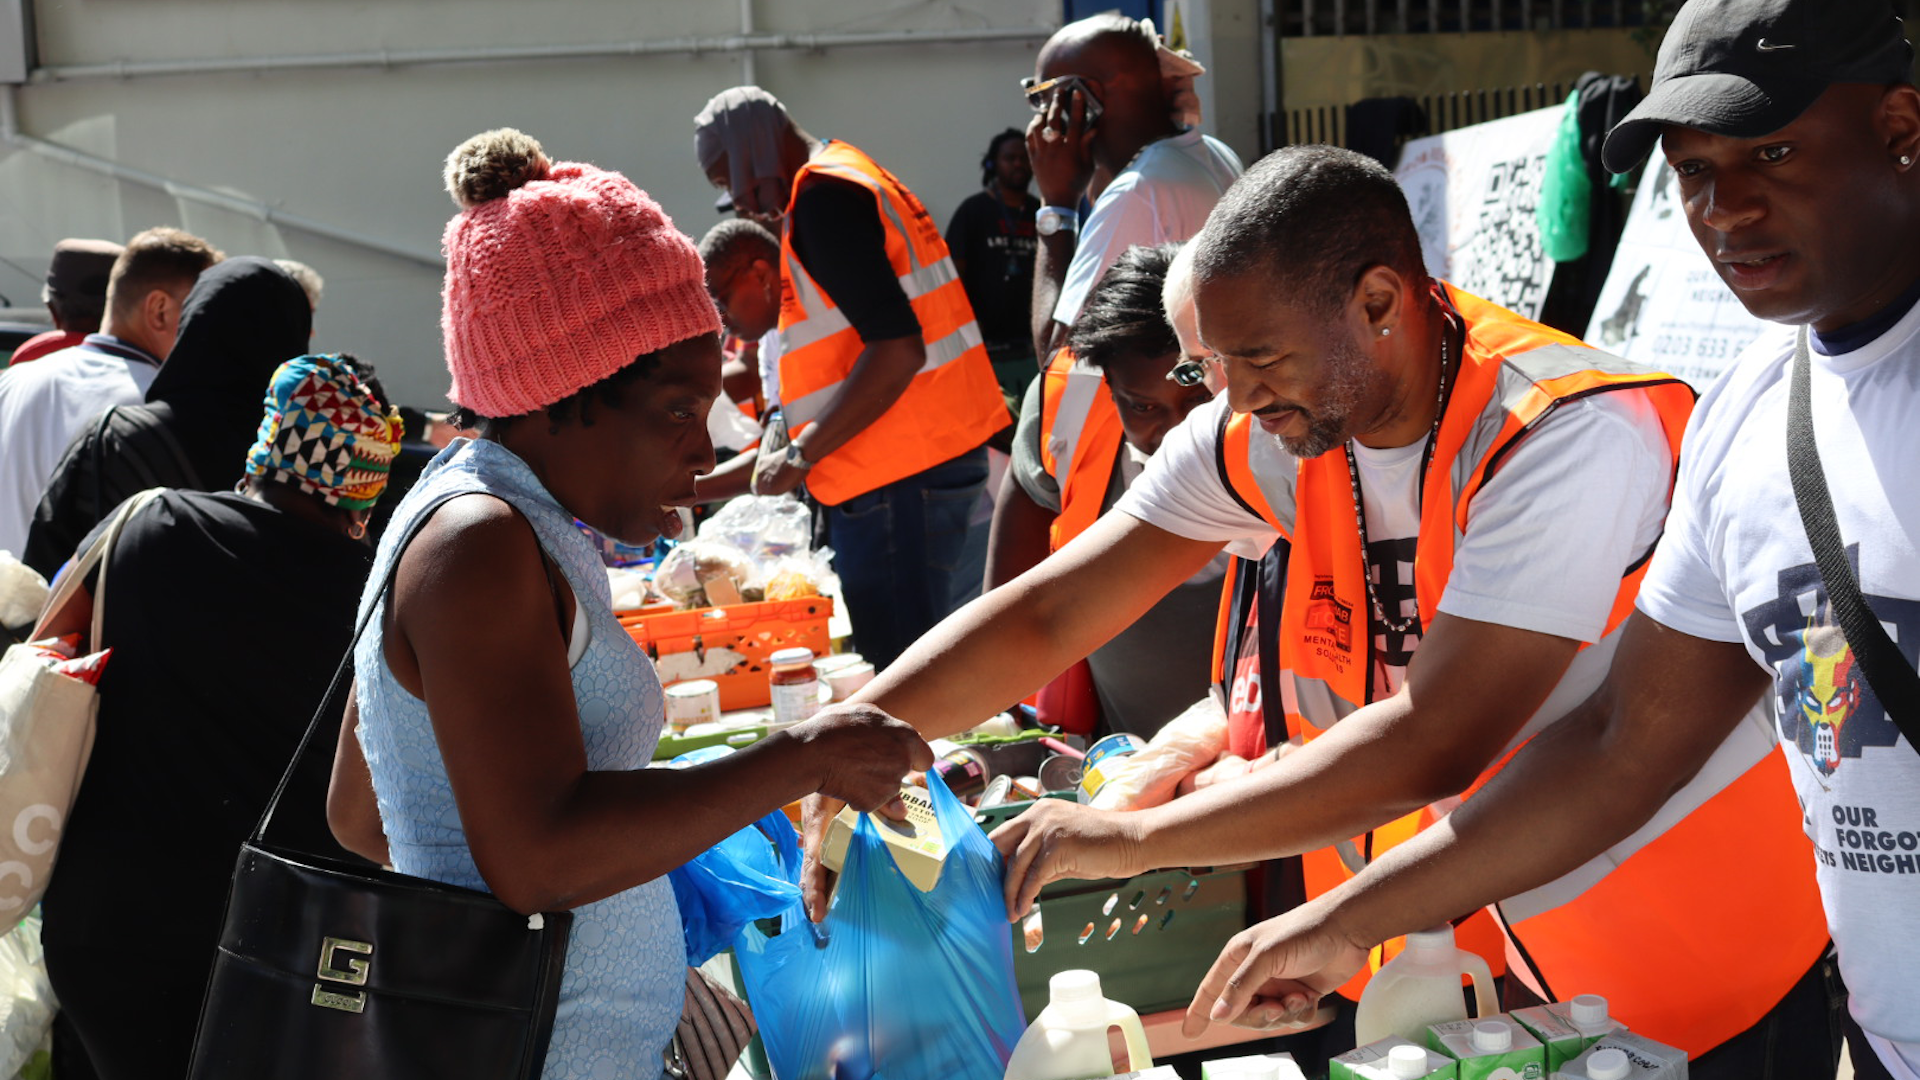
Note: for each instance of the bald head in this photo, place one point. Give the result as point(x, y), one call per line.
point(1100, 47)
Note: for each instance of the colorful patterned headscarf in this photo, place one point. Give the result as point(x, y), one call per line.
point(326, 433)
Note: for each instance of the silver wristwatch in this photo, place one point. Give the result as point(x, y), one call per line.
point(1052, 219)
point(796, 459)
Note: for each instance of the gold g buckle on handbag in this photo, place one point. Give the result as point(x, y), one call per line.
point(353, 973)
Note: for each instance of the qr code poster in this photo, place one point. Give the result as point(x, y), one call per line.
point(1473, 192)
point(1663, 305)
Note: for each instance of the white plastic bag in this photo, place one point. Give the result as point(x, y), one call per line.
point(23, 592)
point(1190, 741)
point(26, 999)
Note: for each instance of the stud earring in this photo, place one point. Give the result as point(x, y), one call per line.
point(1386, 331)
point(1905, 160)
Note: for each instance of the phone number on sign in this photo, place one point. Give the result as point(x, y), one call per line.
point(1698, 348)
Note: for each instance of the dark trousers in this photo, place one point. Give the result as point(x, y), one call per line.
point(1866, 1063)
point(897, 548)
point(1798, 1039)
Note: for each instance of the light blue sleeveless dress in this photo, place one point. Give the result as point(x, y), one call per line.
point(625, 974)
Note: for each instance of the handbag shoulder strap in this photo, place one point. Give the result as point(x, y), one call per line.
point(1891, 675)
point(334, 704)
point(96, 554)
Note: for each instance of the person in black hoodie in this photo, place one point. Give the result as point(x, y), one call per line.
point(243, 319)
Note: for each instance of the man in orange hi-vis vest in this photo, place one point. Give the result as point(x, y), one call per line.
point(1789, 571)
point(885, 393)
point(1470, 500)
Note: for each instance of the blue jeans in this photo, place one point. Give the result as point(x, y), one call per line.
point(897, 548)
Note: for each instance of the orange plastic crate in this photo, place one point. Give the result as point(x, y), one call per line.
point(730, 645)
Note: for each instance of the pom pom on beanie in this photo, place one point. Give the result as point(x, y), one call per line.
point(493, 163)
point(558, 275)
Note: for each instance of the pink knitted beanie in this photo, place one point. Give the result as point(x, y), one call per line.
point(558, 275)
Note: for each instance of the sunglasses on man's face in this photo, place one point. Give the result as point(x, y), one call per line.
point(1040, 93)
point(1188, 373)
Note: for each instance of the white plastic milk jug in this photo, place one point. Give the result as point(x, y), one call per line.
point(1421, 986)
point(1068, 1040)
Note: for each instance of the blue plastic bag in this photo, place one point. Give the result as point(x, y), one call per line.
point(897, 984)
point(734, 882)
point(750, 875)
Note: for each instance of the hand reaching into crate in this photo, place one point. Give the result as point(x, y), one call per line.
point(1056, 839)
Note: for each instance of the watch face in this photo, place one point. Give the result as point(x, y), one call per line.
point(1048, 222)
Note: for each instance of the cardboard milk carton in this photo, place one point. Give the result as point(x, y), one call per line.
point(1568, 1028)
point(1626, 1056)
point(1393, 1058)
point(1252, 1067)
point(1491, 1048)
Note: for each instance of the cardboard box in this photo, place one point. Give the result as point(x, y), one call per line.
point(917, 846)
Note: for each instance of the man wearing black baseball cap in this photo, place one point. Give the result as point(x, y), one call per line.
point(1794, 131)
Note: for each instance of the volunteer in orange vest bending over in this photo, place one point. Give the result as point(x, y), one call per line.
point(886, 394)
point(1085, 433)
point(1471, 499)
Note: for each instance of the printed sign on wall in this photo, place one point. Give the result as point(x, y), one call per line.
point(1663, 305)
point(1473, 192)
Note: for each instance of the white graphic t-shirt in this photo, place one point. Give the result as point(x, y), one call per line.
point(1736, 565)
point(1597, 468)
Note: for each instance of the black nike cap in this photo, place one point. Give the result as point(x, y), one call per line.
point(1748, 67)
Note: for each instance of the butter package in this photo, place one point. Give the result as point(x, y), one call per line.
point(1568, 1028)
point(1252, 1067)
point(1393, 1058)
point(1490, 1048)
point(1624, 1055)
point(917, 846)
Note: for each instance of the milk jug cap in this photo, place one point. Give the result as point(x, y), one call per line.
point(1407, 1060)
point(1608, 1064)
point(1438, 939)
point(1075, 995)
point(1492, 1037)
point(1588, 1009)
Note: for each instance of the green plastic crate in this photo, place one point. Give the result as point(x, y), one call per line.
point(1151, 938)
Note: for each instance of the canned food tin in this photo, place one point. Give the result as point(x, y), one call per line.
point(965, 771)
point(696, 701)
point(1102, 756)
point(1059, 773)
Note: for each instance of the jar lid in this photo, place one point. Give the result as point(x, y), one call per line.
point(791, 656)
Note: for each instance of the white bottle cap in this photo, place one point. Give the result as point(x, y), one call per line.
point(1407, 1061)
point(1492, 1037)
point(1608, 1064)
point(1075, 996)
point(1588, 1009)
point(1438, 939)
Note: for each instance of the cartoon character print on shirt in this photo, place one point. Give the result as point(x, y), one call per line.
point(1826, 708)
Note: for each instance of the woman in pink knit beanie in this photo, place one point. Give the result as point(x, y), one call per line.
point(505, 717)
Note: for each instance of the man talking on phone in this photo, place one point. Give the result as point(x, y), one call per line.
point(1106, 109)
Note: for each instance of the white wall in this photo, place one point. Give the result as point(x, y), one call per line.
point(361, 148)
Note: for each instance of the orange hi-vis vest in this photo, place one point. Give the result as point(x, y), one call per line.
point(1079, 442)
point(953, 403)
point(1665, 923)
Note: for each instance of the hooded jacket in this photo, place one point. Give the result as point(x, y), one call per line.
point(242, 320)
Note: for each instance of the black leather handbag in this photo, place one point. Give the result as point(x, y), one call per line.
point(328, 970)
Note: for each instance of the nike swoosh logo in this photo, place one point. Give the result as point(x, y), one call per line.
point(1765, 46)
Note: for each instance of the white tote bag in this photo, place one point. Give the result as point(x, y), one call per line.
point(46, 736)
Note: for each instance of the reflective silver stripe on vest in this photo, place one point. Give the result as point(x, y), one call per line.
point(1747, 746)
point(1084, 385)
point(806, 408)
point(1274, 472)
